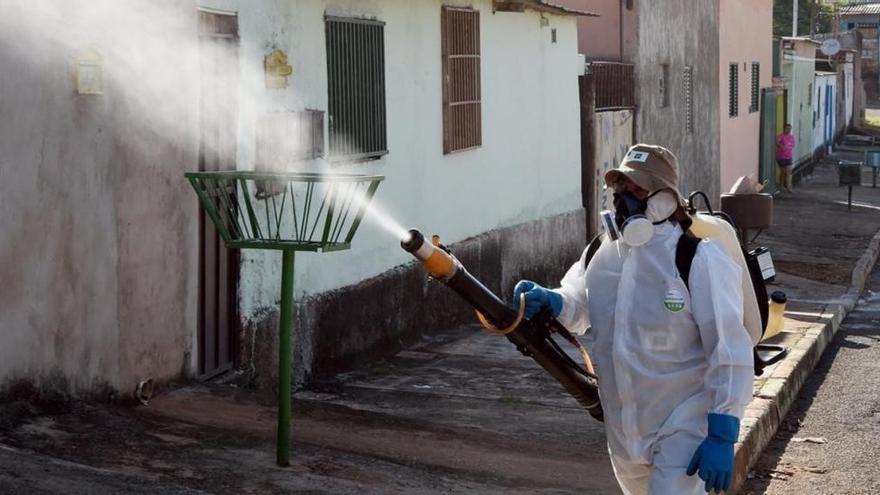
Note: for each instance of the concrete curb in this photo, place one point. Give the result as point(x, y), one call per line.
point(771, 403)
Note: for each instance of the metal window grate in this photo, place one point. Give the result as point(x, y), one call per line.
point(462, 105)
point(688, 90)
point(733, 88)
point(221, 25)
point(615, 85)
point(356, 88)
point(755, 90)
point(288, 137)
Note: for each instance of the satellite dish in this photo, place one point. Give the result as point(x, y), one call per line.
point(830, 47)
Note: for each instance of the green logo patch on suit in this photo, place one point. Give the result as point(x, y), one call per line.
point(674, 300)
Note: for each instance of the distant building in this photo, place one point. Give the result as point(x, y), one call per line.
point(864, 17)
point(698, 90)
point(798, 71)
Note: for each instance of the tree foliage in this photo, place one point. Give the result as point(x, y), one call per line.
point(810, 12)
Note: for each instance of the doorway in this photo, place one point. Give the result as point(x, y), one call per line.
point(218, 323)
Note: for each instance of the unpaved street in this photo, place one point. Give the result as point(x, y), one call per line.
point(830, 440)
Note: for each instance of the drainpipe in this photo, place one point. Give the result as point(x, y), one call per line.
point(794, 19)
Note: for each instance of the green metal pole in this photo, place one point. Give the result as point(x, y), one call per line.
point(283, 446)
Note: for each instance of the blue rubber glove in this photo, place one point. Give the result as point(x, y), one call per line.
point(714, 457)
point(537, 298)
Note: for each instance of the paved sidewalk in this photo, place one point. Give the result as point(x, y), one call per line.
point(830, 440)
point(462, 412)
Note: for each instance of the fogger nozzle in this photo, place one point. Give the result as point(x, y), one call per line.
point(437, 262)
point(412, 241)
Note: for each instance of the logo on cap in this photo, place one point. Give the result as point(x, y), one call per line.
point(638, 156)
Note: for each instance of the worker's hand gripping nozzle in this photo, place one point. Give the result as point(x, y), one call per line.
point(441, 265)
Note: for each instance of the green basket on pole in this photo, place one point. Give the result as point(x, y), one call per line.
point(289, 212)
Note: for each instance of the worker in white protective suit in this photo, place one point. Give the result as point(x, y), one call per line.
point(674, 360)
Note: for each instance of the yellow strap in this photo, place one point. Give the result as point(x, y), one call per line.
point(504, 331)
point(587, 361)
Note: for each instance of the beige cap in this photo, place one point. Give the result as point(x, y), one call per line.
point(651, 167)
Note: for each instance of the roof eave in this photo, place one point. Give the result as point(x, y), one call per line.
point(540, 6)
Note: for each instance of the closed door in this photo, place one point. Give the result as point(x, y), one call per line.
point(218, 266)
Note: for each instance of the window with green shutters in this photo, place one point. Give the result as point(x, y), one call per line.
point(755, 89)
point(355, 88)
point(733, 85)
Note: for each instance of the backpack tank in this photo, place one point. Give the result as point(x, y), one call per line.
point(708, 226)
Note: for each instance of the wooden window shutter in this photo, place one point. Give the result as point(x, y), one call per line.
point(460, 46)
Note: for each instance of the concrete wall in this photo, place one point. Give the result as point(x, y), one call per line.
point(606, 37)
point(798, 71)
point(613, 135)
point(98, 229)
point(527, 169)
point(693, 42)
point(745, 37)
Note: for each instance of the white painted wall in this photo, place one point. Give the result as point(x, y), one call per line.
point(527, 168)
point(798, 70)
point(824, 81)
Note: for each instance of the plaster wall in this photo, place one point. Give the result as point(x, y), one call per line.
point(746, 37)
point(519, 120)
point(798, 71)
point(527, 169)
point(600, 38)
point(697, 47)
point(97, 226)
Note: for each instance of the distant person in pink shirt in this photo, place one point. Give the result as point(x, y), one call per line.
point(784, 150)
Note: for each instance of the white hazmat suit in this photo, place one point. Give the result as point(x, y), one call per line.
point(666, 356)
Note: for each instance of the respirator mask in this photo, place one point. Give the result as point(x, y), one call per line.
point(633, 219)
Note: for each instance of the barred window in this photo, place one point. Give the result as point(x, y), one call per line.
point(462, 106)
point(733, 85)
point(356, 88)
point(755, 87)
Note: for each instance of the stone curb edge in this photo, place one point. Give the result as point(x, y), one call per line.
point(772, 408)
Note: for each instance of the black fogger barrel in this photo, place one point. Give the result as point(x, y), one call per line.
point(527, 337)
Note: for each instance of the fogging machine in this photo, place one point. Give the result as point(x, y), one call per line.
point(532, 337)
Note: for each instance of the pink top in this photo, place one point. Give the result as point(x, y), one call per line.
point(784, 146)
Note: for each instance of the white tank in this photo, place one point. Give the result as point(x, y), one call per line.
point(706, 226)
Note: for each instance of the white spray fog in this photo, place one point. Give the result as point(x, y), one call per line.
point(151, 71)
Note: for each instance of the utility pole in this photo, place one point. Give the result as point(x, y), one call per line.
point(835, 19)
point(794, 15)
point(813, 8)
